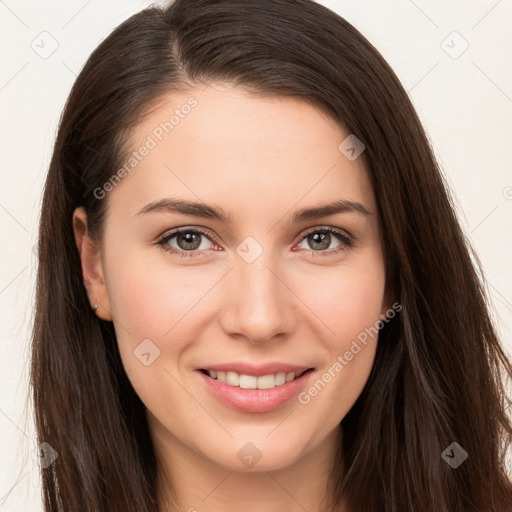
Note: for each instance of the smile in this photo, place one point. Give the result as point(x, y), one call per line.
point(245, 381)
point(255, 390)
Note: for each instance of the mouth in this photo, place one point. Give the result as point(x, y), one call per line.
point(246, 381)
point(255, 390)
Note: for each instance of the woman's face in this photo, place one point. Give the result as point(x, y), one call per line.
point(264, 292)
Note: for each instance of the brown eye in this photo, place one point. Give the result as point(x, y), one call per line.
point(320, 239)
point(188, 242)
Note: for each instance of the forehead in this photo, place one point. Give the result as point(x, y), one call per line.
point(241, 151)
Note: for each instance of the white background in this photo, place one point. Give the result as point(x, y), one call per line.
point(465, 104)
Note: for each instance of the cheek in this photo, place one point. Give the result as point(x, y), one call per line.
point(349, 302)
point(149, 298)
point(158, 301)
point(348, 299)
point(149, 310)
point(352, 310)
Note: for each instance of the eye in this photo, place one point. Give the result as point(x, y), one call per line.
point(320, 239)
point(189, 243)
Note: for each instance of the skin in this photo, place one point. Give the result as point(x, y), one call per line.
point(260, 159)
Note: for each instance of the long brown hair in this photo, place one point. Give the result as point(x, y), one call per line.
point(437, 375)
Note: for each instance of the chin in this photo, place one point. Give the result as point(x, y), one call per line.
point(256, 457)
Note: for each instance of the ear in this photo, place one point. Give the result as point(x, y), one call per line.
point(92, 267)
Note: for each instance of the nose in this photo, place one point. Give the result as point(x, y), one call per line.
point(259, 304)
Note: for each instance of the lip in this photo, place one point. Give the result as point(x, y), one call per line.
point(241, 367)
point(256, 400)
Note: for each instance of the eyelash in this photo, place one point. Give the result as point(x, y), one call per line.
point(347, 241)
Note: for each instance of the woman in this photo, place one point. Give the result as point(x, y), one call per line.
point(194, 348)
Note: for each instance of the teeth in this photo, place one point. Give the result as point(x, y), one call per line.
point(232, 378)
point(248, 382)
point(267, 381)
point(252, 382)
point(280, 378)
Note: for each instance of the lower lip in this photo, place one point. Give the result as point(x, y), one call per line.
point(255, 400)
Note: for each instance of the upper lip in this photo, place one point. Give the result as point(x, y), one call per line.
point(244, 368)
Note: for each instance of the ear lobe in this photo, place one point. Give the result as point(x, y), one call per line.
point(92, 267)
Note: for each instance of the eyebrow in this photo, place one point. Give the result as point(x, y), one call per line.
point(196, 209)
